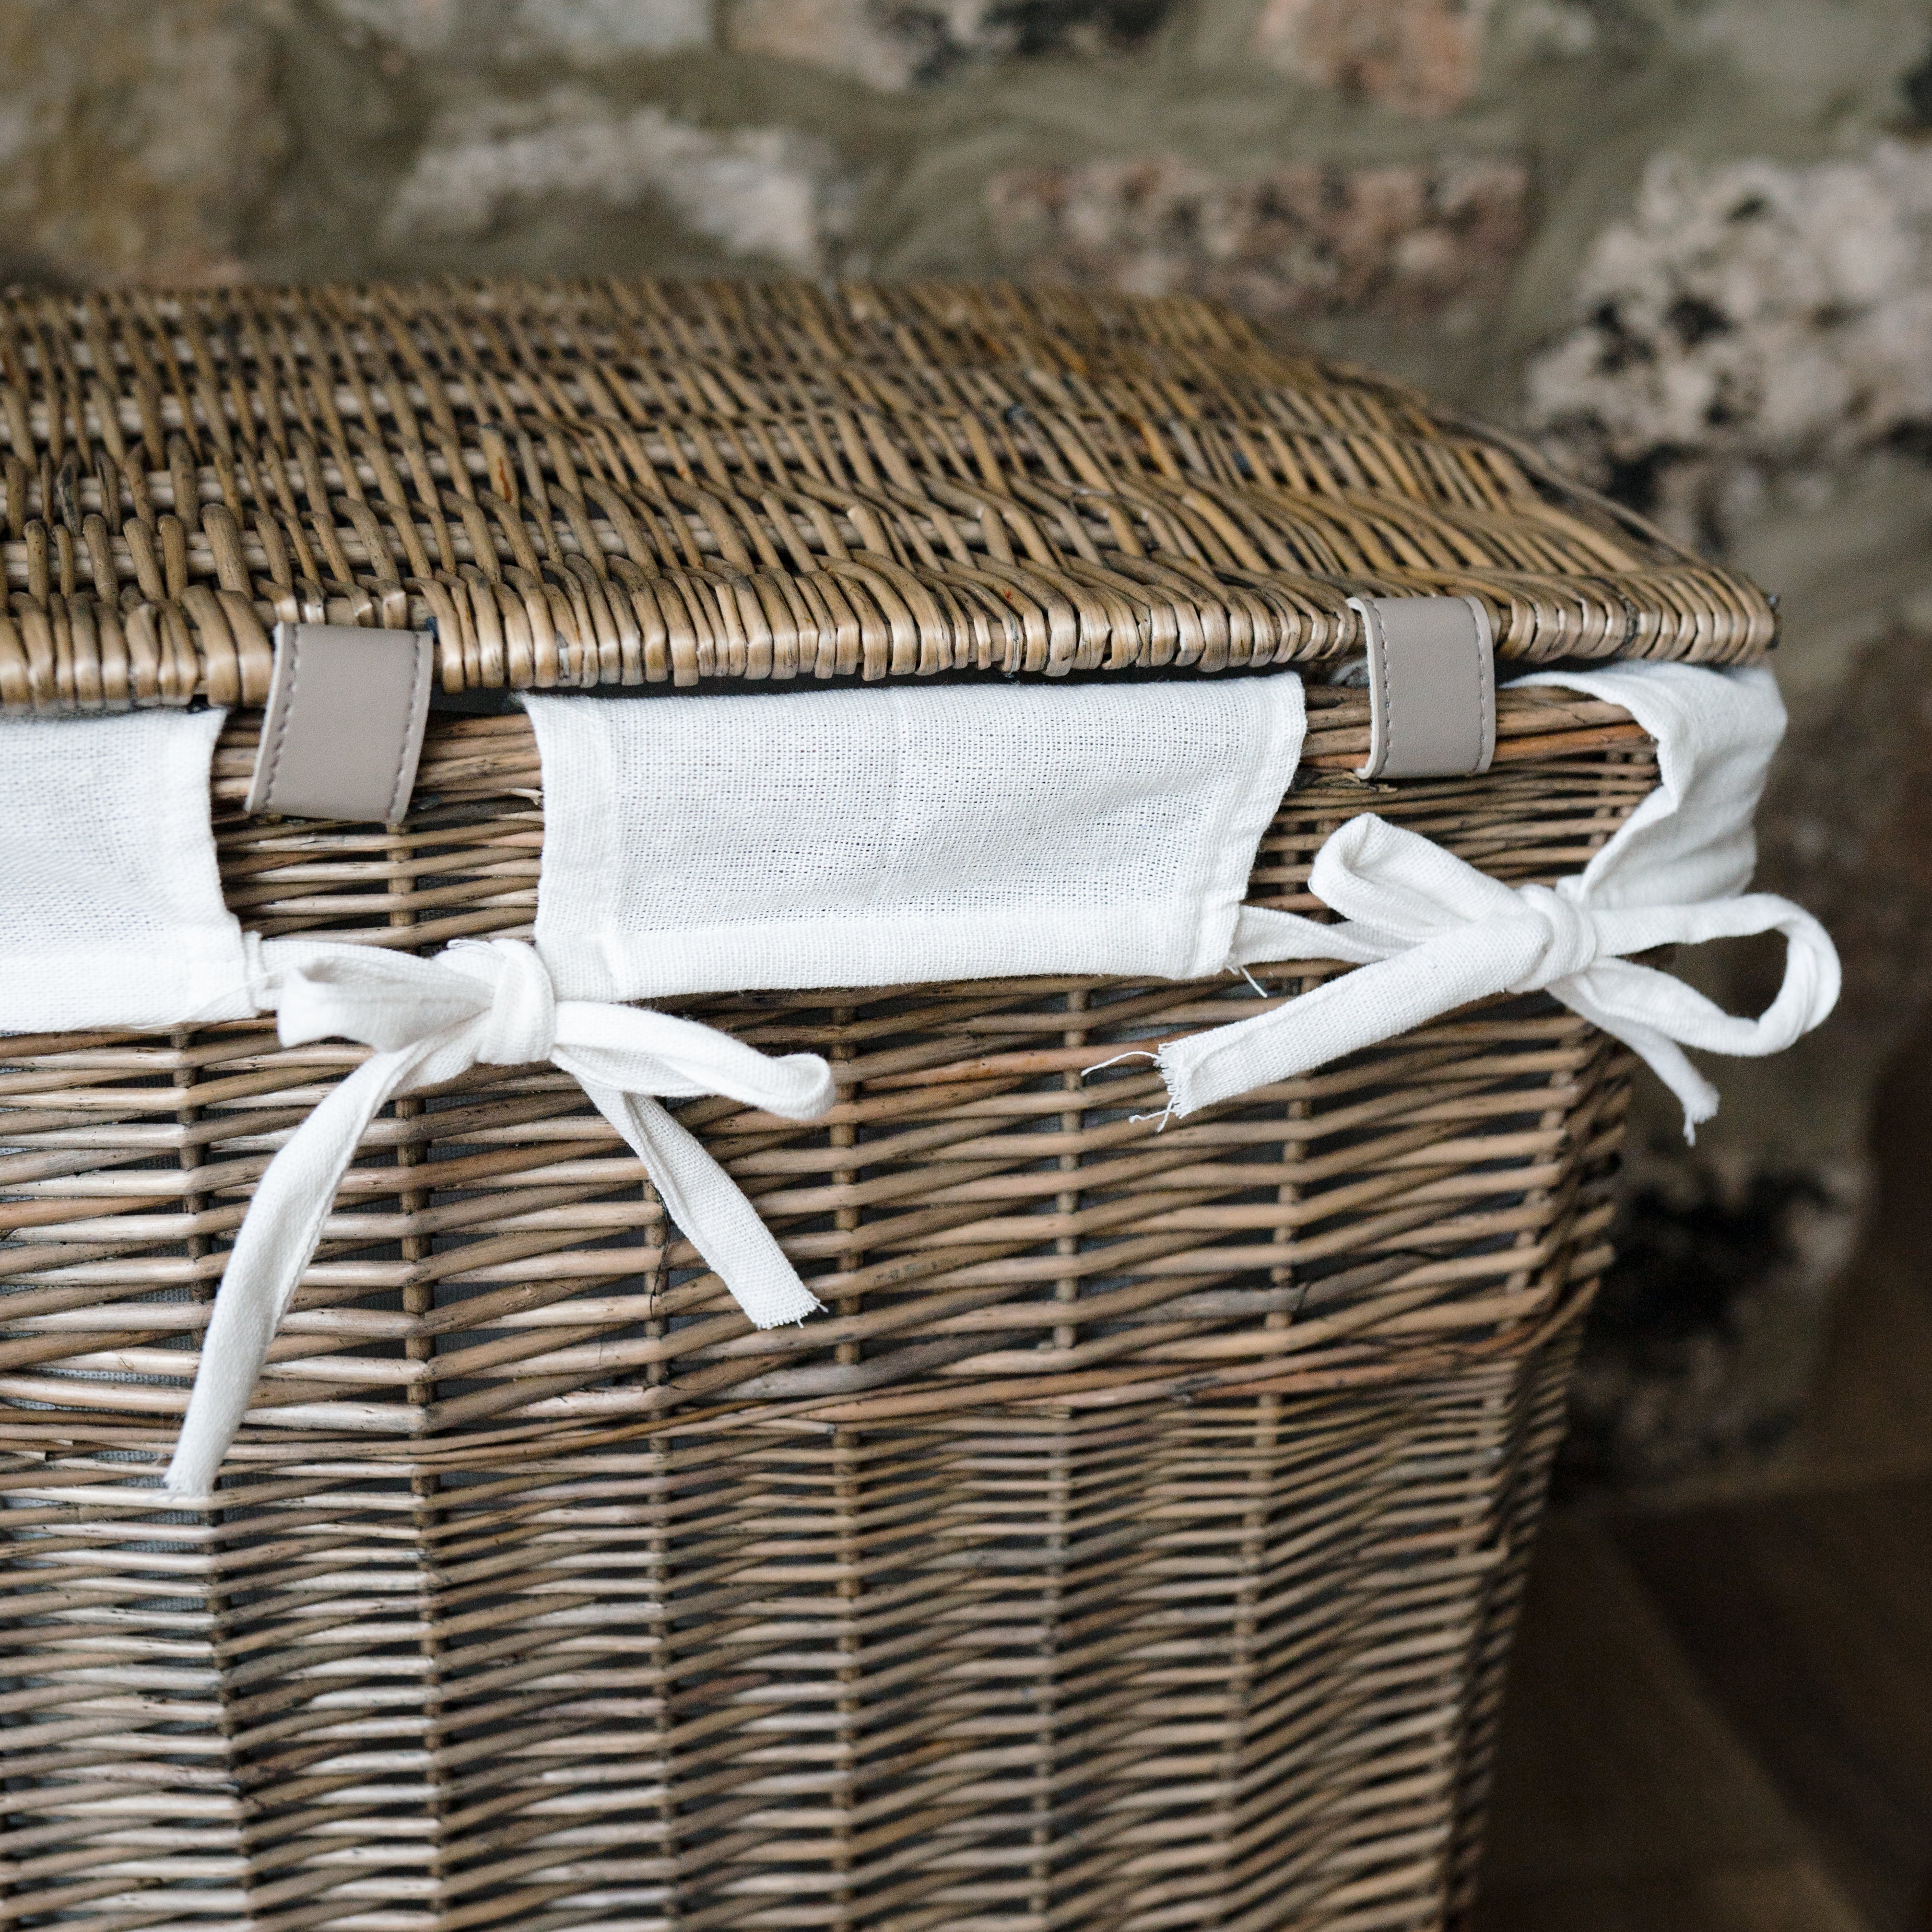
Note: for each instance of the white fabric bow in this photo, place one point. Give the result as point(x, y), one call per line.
point(1432, 934)
point(432, 1020)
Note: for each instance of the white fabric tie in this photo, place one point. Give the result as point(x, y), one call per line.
point(431, 1021)
point(1432, 934)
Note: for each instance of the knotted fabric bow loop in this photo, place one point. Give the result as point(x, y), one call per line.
point(431, 1021)
point(387, 1000)
point(1431, 934)
point(1573, 943)
point(519, 1028)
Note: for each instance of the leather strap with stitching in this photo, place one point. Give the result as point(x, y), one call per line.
point(1432, 687)
point(342, 729)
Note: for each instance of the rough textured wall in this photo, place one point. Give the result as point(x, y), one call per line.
point(1688, 245)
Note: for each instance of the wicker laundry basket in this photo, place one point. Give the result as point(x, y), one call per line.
point(1136, 1541)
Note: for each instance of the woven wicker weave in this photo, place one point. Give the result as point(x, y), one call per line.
point(1135, 1542)
point(635, 483)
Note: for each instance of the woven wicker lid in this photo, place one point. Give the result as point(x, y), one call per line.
point(647, 483)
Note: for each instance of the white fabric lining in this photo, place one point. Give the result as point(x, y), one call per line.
point(885, 837)
point(111, 913)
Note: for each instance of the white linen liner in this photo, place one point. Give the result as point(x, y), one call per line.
point(110, 905)
point(884, 837)
point(900, 835)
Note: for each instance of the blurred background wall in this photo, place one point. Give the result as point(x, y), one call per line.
point(1686, 245)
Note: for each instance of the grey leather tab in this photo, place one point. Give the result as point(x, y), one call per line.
point(344, 727)
point(1432, 687)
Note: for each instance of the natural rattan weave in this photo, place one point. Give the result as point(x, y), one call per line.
point(636, 483)
point(1134, 1543)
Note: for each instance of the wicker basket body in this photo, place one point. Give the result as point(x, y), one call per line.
point(1133, 1543)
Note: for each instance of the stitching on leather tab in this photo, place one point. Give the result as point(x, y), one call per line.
point(291, 643)
point(1485, 688)
point(1385, 696)
point(1379, 720)
point(1485, 697)
point(398, 799)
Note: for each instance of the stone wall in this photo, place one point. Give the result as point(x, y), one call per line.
point(1687, 243)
